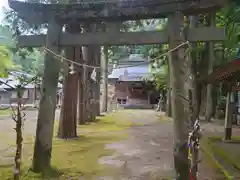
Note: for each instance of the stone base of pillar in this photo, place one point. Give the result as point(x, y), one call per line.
point(228, 134)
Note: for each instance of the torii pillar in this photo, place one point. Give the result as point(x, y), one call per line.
point(109, 27)
point(47, 106)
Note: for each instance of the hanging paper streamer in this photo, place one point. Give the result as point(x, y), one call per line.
point(62, 58)
point(72, 71)
point(94, 74)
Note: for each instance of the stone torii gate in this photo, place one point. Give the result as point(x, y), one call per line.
point(57, 15)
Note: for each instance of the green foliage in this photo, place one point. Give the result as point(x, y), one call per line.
point(5, 61)
point(229, 17)
point(161, 79)
point(25, 59)
point(119, 52)
point(30, 62)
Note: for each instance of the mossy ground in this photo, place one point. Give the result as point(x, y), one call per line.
point(228, 152)
point(74, 158)
point(5, 112)
point(163, 117)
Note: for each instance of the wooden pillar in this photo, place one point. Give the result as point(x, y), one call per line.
point(47, 106)
point(177, 62)
point(104, 61)
point(228, 115)
point(238, 109)
point(193, 70)
point(96, 62)
point(109, 27)
point(81, 112)
point(88, 57)
point(149, 98)
point(98, 79)
point(35, 96)
point(85, 55)
point(211, 56)
point(169, 92)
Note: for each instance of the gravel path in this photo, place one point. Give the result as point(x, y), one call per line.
point(7, 124)
point(148, 152)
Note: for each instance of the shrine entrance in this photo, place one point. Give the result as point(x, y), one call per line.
point(89, 25)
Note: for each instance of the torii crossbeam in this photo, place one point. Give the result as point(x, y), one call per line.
point(123, 38)
point(111, 10)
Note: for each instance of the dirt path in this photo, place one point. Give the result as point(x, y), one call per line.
point(7, 124)
point(148, 152)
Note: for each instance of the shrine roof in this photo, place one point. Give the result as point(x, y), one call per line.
point(130, 71)
point(224, 73)
point(13, 80)
point(96, 10)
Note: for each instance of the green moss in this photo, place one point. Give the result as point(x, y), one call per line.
point(226, 154)
point(78, 157)
point(107, 124)
point(207, 149)
point(212, 145)
point(163, 118)
point(5, 112)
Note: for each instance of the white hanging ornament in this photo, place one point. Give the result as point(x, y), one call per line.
point(155, 64)
point(61, 59)
point(94, 74)
point(72, 71)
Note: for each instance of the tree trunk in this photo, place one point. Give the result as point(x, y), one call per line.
point(203, 73)
point(104, 106)
point(169, 104)
point(47, 106)
point(67, 123)
point(209, 100)
point(97, 83)
point(203, 100)
point(68, 116)
point(19, 135)
point(85, 55)
point(85, 85)
point(192, 96)
point(218, 106)
point(91, 101)
point(193, 71)
point(88, 57)
point(81, 112)
point(178, 72)
point(214, 100)
point(98, 78)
